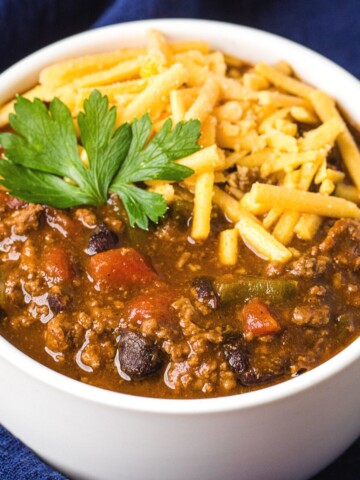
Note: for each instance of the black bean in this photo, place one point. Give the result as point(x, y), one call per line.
point(237, 356)
point(56, 303)
point(3, 314)
point(255, 377)
point(205, 292)
point(138, 357)
point(102, 240)
point(239, 360)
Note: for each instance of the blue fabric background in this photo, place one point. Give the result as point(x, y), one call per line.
point(330, 27)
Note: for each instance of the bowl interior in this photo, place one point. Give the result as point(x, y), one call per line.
point(251, 45)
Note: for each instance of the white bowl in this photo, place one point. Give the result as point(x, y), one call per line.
point(288, 431)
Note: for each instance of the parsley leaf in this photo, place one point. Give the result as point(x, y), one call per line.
point(141, 205)
point(46, 140)
point(104, 149)
point(153, 162)
point(44, 150)
point(38, 187)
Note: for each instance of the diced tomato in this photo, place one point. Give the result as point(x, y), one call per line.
point(258, 320)
point(61, 222)
point(152, 304)
point(120, 267)
point(57, 265)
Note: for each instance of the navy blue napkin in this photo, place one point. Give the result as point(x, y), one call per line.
point(331, 28)
point(18, 462)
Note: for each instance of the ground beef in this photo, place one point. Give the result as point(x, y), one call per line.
point(86, 217)
point(242, 179)
point(55, 336)
point(311, 315)
point(310, 265)
point(25, 219)
point(317, 291)
point(198, 338)
point(343, 243)
point(91, 355)
point(198, 368)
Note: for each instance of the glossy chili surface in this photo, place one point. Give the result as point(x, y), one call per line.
point(153, 313)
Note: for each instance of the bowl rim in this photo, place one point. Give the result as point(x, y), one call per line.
point(165, 406)
point(243, 401)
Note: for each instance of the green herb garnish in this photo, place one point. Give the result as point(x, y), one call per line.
point(45, 151)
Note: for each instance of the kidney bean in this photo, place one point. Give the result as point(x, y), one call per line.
point(254, 377)
point(104, 239)
point(3, 314)
point(205, 293)
point(237, 356)
point(138, 356)
point(56, 303)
